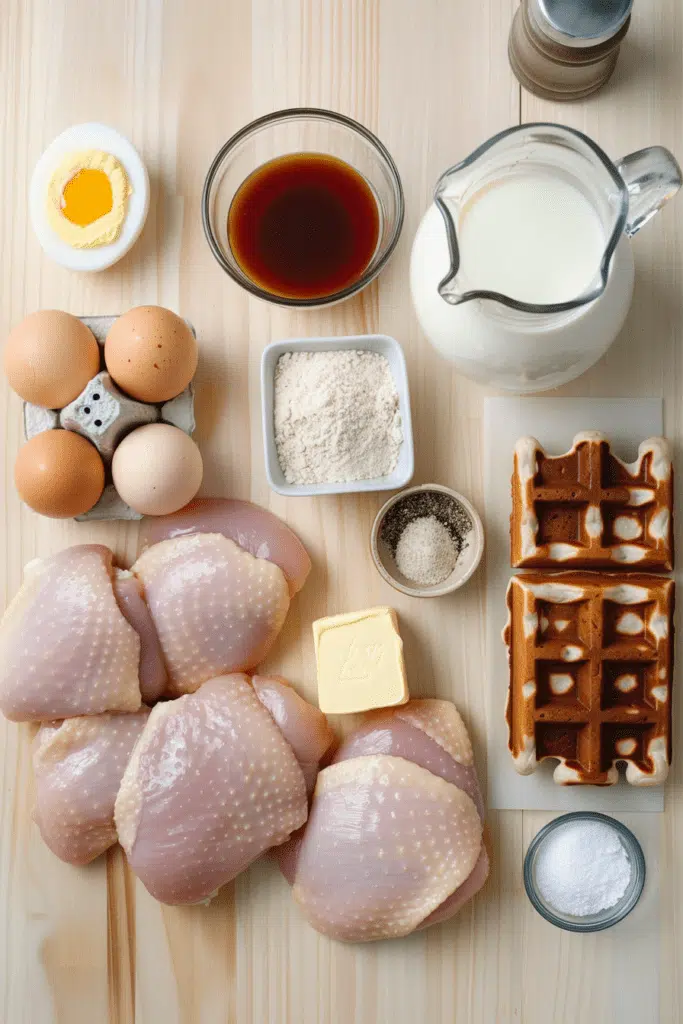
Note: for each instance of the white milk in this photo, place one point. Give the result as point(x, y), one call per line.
point(520, 352)
point(535, 238)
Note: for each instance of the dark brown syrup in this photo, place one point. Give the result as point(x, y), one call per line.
point(304, 226)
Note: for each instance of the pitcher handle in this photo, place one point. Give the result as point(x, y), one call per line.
point(652, 177)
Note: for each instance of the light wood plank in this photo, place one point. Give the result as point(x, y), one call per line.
point(432, 80)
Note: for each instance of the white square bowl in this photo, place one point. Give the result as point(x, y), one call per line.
point(381, 343)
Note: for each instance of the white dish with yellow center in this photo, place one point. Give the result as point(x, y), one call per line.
point(89, 197)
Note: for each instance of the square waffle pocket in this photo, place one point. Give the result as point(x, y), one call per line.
point(591, 665)
point(589, 510)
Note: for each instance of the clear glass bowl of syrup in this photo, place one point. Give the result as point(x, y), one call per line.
point(303, 207)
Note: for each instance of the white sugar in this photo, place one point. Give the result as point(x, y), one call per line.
point(582, 868)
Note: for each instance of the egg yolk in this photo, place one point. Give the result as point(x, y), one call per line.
point(87, 197)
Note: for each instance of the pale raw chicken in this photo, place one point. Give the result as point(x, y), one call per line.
point(393, 841)
point(462, 895)
point(78, 766)
point(254, 528)
point(303, 726)
point(151, 669)
point(391, 732)
point(65, 647)
point(212, 784)
point(216, 608)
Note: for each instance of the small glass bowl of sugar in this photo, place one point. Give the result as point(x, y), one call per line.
point(584, 872)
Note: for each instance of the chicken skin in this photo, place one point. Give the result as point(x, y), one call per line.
point(83, 636)
point(78, 766)
point(393, 840)
point(216, 608)
point(251, 527)
point(212, 784)
point(66, 649)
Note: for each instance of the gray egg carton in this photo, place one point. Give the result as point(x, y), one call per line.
point(104, 415)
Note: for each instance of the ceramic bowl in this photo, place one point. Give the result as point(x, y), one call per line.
point(467, 563)
point(381, 343)
point(605, 918)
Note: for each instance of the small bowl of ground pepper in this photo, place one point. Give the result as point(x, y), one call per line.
point(427, 541)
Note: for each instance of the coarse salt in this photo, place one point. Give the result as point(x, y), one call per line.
point(425, 552)
point(582, 868)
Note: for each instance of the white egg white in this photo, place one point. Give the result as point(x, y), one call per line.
point(81, 137)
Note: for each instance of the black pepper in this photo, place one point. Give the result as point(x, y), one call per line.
point(449, 512)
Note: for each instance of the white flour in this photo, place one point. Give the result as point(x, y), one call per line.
point(336, 416)
point(582, 868)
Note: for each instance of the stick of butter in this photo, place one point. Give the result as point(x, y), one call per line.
point(359, 657)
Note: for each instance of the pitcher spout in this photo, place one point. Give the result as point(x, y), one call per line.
point(449, 287)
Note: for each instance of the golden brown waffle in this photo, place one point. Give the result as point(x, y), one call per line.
point(589, 510)
point(591, 663)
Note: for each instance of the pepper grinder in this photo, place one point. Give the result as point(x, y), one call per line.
point(567, 49)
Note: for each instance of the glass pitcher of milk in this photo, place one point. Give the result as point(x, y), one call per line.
point(521, 270)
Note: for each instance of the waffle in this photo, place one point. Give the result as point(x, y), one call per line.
point(589, 510)
point(591, 661)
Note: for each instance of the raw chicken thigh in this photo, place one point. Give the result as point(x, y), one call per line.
point(212, 784)
point(83, 636)
point(78, 766)
point(198, 787)
point(303, 726)
point(216, 607)
point(254, 528)
point(393, 841)
point(65, 647)
point(151, 668)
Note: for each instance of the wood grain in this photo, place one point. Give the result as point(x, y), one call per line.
point(432, 79)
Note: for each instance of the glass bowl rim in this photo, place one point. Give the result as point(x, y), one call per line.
point(288, 114)
point(613, 915)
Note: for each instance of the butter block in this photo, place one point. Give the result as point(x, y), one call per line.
point(359, 657)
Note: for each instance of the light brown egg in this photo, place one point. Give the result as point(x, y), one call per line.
point(157, 469)
point(151, 353)
point(50, 357)
point(59, 474)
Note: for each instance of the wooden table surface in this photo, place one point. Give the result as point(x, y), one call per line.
point(431, 78)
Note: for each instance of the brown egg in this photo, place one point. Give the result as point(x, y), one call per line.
point(59, 474)
point(50, 357)
point(151, 353)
